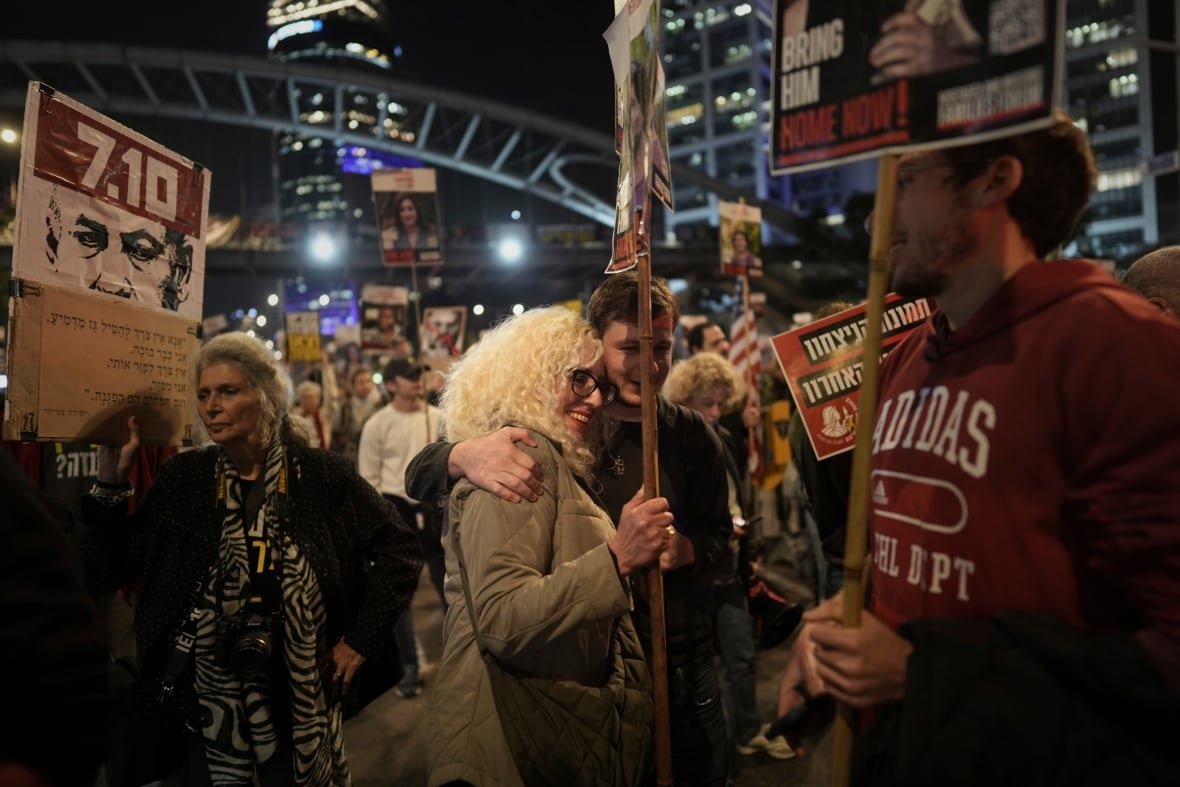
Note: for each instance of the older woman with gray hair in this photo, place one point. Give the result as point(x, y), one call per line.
point(270, 574)
point(542, 679)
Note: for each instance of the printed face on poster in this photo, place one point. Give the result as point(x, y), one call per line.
point(442, 332)
point(852, 79)
point(822, 365)
point(641, 128)
point(106, 210)
point(741, 239)
point(383, 319)
point(408, 218)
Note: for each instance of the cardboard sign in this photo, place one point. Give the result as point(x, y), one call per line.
point(105, 209)
point(822, 364)
point(84, 363)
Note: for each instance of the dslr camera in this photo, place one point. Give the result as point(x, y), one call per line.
point(245, 640)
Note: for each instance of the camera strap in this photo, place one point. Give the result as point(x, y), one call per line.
point(183, 642)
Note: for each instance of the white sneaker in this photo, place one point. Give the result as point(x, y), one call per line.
point(778, 748)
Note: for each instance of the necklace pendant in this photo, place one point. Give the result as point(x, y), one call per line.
point(617, 468)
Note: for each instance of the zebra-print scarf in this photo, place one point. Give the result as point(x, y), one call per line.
point(238, 728)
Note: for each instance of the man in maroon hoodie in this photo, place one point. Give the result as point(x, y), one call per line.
point(1023, 620)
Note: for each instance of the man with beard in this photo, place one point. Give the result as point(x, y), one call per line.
point(1025, 511)
point(692, 478)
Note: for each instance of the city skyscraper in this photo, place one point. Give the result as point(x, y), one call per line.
point(321, 183)
point(1121, 86)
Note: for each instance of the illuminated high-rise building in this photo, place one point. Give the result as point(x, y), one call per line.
point(321, 182)
point(1121, 64)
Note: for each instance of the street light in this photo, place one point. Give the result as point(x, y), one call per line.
point(510, 250)
point(9, 136)
point(323, 247)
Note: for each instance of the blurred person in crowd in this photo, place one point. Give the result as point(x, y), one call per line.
point(1024, 522)
point(270, 574)
point(708, 337)
point(362, 401)
point(707, 383)
point(389, 440)
point(541, 585)
point(1156, 276)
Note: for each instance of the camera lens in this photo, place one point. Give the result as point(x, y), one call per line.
point(251, 653)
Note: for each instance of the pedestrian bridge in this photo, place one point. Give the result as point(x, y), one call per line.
point(509, 145)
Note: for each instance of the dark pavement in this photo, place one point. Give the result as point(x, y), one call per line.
point(386, 743)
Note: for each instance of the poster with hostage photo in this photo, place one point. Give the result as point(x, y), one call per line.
point(107, 210)
point(406, 204)
point(443, 332)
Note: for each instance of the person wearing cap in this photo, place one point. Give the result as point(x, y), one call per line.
point(389, 440)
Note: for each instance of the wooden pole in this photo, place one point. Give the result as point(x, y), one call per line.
point(856, 538)
point(651, 485)
point(417, 298)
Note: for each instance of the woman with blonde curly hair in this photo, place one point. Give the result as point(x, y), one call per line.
point(537, 591)
point(707, 383)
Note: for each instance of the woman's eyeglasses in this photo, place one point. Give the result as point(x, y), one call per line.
point(583, 384)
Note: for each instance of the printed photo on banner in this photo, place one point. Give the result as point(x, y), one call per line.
point(852, 78)
point(383, 318)
point(443, 331)
point(641, 129)
point(822, 361)
point(741, 239)
point(104, 209)
point(408, 218)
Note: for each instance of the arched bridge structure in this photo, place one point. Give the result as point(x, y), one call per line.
point(513, 146)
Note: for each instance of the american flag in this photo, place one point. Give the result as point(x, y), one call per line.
point(746, 357)
point(743, 346)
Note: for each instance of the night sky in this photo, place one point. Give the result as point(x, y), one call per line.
point(548, 55)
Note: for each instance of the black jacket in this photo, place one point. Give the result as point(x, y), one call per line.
point(52, 650)
point(339, 521)
point(1022, 699)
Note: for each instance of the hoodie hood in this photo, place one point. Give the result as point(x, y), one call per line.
point(1033, 289)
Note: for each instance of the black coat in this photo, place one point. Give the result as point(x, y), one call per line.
point(341, 524)
point(1022, 699)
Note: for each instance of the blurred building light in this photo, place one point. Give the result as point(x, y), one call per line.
point(477, 309)
point(518, 309)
